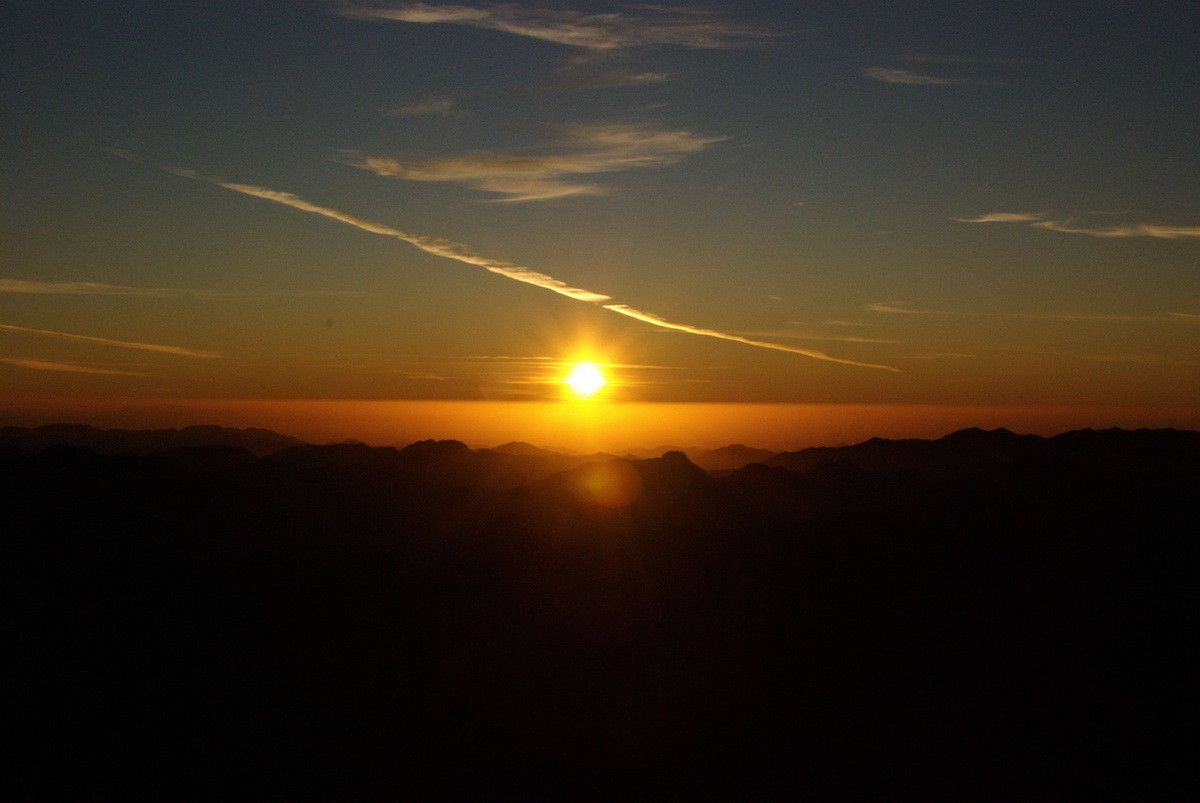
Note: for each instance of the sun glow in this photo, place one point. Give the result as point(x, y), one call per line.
point(585, 379)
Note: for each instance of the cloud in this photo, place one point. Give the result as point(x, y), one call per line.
point(551, 172)
point(42, 365)
point(909, 78)
point(603, 69)
point(1002, 217)
point(432, 245)
point(940, 355)
point(1135, 230)
point(902, 308)
point(1067, 226)
point(461, 253)
point(104, 341)
point(444, 108)
point(694, 330)
point(81, 289)
point(925, 58)
point(1135, 358)
point(510, 358)
point(792, 335)
point(97, 289)
point(649, 26)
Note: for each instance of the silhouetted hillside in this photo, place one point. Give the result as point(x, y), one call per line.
point(984, 615)
point(731, 457)
point(974, 450)
point(522, 448)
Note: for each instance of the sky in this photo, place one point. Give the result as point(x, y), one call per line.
point(861, 206)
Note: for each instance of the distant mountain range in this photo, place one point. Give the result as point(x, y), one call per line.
point(516, 462)
point(218, 613)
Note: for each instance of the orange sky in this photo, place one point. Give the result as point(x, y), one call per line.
point(593, 426)
point(947, 215)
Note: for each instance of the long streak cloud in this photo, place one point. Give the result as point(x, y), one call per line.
point(66, 367)
point(651, 318)
point(27, 287)
point(1041, 221)
point(461, 253)
point(651, 26)
point(104, 341)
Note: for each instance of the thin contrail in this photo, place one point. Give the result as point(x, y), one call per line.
point(461, 253)
point(433, 245)
point(66, 367)
point(651, 318)
point(104, 341)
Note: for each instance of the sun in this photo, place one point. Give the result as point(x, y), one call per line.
point(585, 379)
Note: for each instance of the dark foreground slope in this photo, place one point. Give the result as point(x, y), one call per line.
point(357, 622)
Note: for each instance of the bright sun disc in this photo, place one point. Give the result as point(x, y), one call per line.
point(585, 379)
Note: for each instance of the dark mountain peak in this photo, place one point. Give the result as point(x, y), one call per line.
point(673, 467)
point(975, 434)
point(523, 448)
point(659, 451)
point(435, 448)
point(971, 433)
point(759, 477)
point(758, 470)
point(675, 457)
point(733, 456)
point(204, 429)
point(966, 432)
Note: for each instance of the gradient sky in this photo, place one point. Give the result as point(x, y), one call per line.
point(938, 203)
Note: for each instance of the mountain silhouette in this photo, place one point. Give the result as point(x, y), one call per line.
point(965, 450)
point(522, 448)
point(731, 457)
point(981, 615)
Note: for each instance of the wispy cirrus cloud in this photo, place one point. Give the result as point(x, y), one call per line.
point(1134, 357)
point(30, 287)
point(648, 26)
point(941, 355)
point(461, 253)
point(81, 289)
point(439, 108)
point(433, 245)
point(1069, 226)
point(651, 318)
point(554, 171)
point(799, 335)
point(104, 341)
point(1002, 217)
point(1135, 230)
point(909, 78)
point(66, 367)
point(903, 308)
point(604, 69)
point(927, 58)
